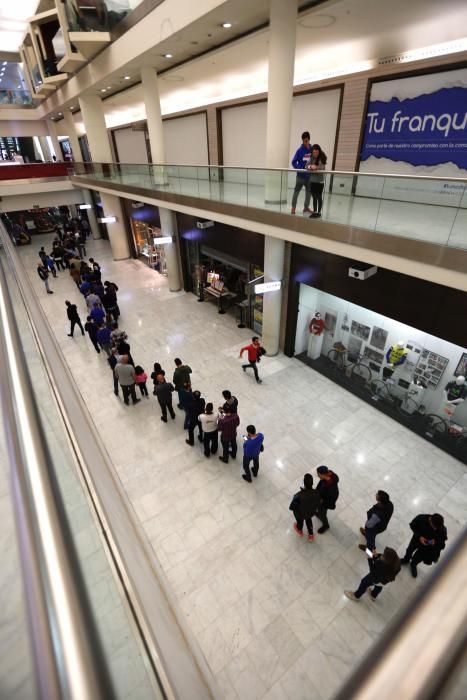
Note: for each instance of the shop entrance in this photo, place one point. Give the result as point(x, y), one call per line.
point(147, 250)
point(412, 376)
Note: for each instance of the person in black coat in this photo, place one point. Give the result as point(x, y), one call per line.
point(328, 491)
point(194, 408)
point(378, 518)
point(383, 569)
point(429, 538)
point(73, 317)
point(91, 329)
point(304, 505)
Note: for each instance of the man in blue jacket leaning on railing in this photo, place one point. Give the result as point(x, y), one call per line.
point(300, 161)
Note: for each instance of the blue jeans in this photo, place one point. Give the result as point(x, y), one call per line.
point(365, 583)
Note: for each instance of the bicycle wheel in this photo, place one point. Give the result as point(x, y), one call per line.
point(436, 427)
point(408, 407)
point(361, 373)
point(378, 390)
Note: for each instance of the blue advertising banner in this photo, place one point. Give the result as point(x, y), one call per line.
point(429, 129)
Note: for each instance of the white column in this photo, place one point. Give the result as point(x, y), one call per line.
point(96, 234)
point(45, 148)
point(73, 137)
point(282, 40)
point(55, 142)
point(272, 301)
point(169, 228)
point(99, 147)
point(150, 84)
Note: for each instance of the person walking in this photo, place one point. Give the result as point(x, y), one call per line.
point(57, 254)
point(253, 353)
point(209, 426)
point(43, 273)
point(51, 265)
point(126, 376)
point(114, 359)
point(157, 369)
point(383, 569)
point(252, 446)
point(227, 425)
point(141, 379)
point(163, 391)
point(181, 376)
point(193, 410)
point(103, 338)
point(378, 518)
point(300, 162)
point(73, 317)
point(43, 256)
point(304, 505)
point(91, 329)
point(97, 314)
point(428, 540)
point(316, 167)
point(229, 401)
point(328, 491)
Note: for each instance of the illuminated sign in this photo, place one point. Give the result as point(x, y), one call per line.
point(162, 239)
point(268, 287)
point(85, 206)
point(107, 220)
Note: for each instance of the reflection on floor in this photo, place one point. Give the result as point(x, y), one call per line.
point(425, 221)
point(267, 608)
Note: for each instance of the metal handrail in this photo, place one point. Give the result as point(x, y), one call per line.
point(211, 166)
point(68, 658)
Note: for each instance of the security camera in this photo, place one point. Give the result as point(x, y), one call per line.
point(204, 224)
point(362, 271)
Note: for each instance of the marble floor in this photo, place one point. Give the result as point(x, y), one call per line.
point(422, 221)
point(266, 607)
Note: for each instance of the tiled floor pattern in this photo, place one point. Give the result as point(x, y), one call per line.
point(266, 607)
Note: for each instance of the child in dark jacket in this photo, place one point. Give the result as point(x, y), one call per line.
point(304, 505)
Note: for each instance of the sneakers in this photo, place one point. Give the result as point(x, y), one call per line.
point(370, 593)
point(292, 211)
point(164, 420)
point(323, 529)
point(49, 292)
point(244, 476)
point(351, 596)
point(311, 538)
point(259, 381)
point(362, 547)
point(299, 532)
point(189, 443)
point(226, 461)
point(70, 335)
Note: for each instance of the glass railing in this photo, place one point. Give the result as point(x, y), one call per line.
point(85, 640)
point(428, 209)
point(100, 16)
point(15, 97)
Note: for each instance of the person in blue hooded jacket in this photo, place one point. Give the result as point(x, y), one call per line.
point(300, 161)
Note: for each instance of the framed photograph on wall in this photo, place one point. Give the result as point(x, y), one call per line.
point(461, 368)
point(330, 321)
point(371, 354)
point(360, 330)
point(378, 338)
point(354, 348)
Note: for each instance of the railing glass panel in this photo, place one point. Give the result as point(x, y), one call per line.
point(15, 97)
point(100, 16)
point(422, 208)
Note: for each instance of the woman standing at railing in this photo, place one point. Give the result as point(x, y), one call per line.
point(317, 166)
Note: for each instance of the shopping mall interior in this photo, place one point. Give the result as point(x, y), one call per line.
point(233, 365)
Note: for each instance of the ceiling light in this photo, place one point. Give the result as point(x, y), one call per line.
point(18, 87)
point(103, 90)
point(4, 63)
point(168, 55)
point(226, 25)
point(109, 87)
point(60, 114)
point(126, 77)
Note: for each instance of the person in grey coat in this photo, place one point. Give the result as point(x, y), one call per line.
point(163, 390)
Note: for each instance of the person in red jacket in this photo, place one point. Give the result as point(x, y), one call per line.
point(253, 354)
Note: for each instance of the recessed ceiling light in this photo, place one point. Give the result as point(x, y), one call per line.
point(4, 63)
point(226, 25)
point(168, 55)
point(109, 87)
point(18, 87)
point(103, 90)
point(60, 114)
point(126, 77)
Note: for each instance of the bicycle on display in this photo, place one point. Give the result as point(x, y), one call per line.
point(356, 370)
point(405, 403)
point(446, 430)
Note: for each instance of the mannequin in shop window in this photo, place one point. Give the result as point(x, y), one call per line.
point(455, 393)
point(315, 342)
point(396, 355)
point(316, 326)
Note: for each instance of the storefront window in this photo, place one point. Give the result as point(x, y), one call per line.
point(147, 249)
point(413, 376)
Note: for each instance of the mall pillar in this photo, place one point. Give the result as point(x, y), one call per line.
point(95, 230)
point(150, 83)
point(272, 301)
point(282, 40)
point(54, 138)
point(73, 137)
point(99, 146)
point(46, 152)
point(169, 228)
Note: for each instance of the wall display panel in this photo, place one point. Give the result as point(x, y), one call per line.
point(432, 360)
point(244, 128)
point(417, 126)
point(130, 146)
point(186, 140)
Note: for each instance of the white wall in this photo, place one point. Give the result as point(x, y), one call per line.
point(186, 140)
point(131, 146)
point(23, 128)
point(244, 128)
point(312, 300)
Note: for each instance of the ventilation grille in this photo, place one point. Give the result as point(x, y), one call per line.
point(427, 52)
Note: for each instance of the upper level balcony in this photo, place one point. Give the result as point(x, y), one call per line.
point(419, 219)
